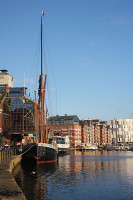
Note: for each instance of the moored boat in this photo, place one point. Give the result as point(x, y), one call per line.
point(110, 147)
point(46, 153)
point(63, 144)
point(45, 149)
point(88, 147)
point(29, 152)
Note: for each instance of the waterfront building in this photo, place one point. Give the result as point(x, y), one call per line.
point(91, 132)
point(108, 132)
point(17, 113)
point(95, 132)
point(122, 131)
point(84, 132)
point(105, 133)
point(96, 123)
point(66, 125)
point(103, 136)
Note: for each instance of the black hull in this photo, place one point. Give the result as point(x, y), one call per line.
point(45, 154)
point(29, 152)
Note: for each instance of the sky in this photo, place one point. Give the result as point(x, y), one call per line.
point(88, 54)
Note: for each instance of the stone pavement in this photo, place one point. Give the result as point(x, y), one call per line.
point(8, 186)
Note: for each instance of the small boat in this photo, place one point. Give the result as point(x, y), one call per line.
point(91, 147)
point(63, 144)
point(110, 147)
point(88, 147)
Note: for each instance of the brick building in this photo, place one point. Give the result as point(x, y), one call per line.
point(95, 132)
point(66, 125)
point(85, 138)
point(105, 133)
point(96, 123)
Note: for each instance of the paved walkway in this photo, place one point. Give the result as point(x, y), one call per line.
point(8, 186)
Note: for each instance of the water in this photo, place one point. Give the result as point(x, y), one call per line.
point(80, 175)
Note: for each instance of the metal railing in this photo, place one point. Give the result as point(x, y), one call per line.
point(7, 153)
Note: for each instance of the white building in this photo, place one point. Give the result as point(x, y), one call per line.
point(122, 130)
point(5, 79)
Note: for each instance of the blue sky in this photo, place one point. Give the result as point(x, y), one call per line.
point(89, 51)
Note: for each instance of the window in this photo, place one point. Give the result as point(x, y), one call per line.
point(18, 117)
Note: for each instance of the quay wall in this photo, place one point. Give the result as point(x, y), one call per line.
point(15, 162)
point(8, 186)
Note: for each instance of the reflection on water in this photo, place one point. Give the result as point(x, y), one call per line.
point(80, 175)
point(33, 179)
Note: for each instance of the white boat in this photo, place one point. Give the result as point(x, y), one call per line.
point(63, 144)
point(88, 147)
point(91, 147)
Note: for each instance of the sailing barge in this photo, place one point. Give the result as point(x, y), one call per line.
point(45, 149)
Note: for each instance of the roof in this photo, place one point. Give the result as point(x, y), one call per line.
point(27, 100)
point(4, 72)
point(95, 120)
point(65, 117)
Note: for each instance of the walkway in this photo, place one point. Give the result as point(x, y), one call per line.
point(8, 186)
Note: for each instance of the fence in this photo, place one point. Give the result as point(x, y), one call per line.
point(5, 154)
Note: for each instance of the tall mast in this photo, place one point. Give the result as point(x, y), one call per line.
point(41, 48)
point(40, 93)
point(41, 96)
point(42, 107)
